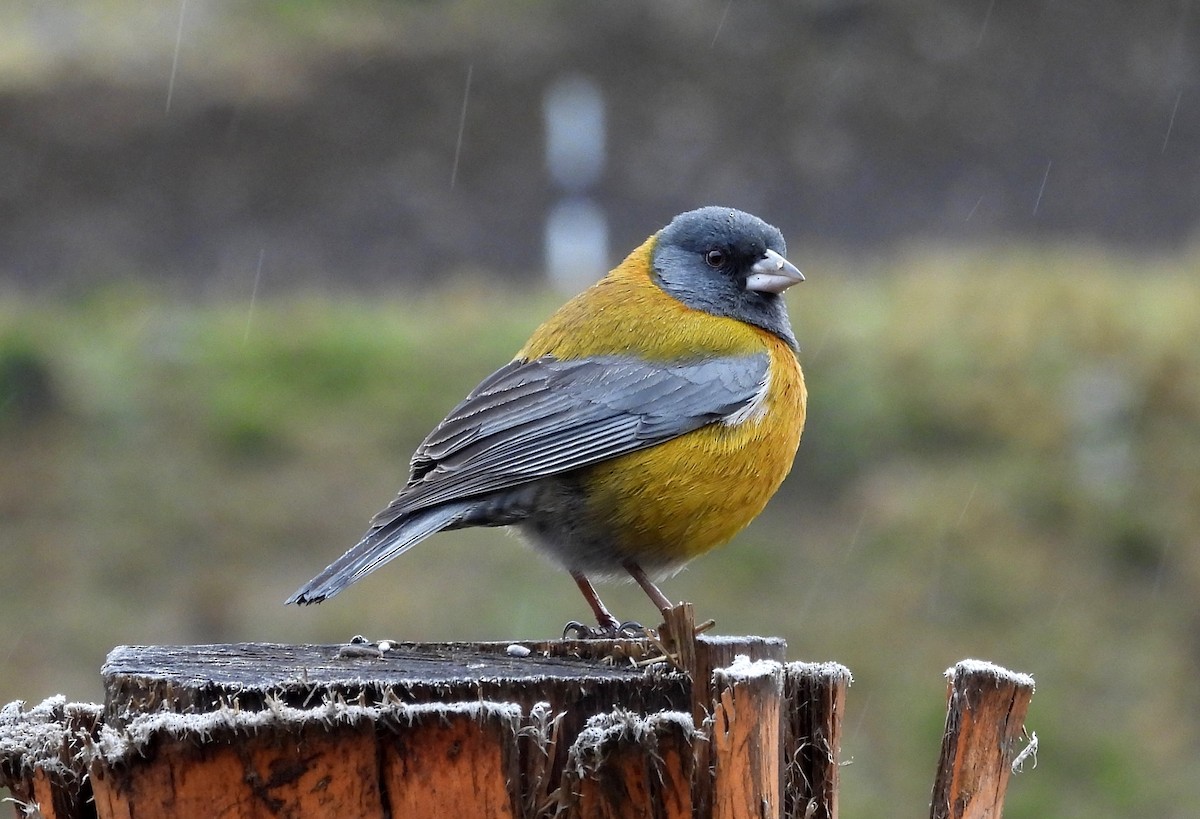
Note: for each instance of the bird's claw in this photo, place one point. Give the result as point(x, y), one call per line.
point(631, 629)
point(575, 630)
point(628, 630)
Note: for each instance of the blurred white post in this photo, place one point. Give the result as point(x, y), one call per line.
point(1101, 405)
point(576, 242)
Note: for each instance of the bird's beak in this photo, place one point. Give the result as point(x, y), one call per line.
point(772, 274)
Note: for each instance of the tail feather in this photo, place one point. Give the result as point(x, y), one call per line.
point(377, 547)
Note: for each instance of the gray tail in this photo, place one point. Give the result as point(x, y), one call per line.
point(377, 547)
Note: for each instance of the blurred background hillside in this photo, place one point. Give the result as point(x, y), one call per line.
point(250, 253)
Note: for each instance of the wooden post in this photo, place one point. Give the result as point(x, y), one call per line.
point(366, 729)
point(624, 766)
point(700, 657)
point(461, 755)
point(814, 701)
point(744, 733)
point(43, 756)
point(598, 729)
point(196, 765)
point(984, 721)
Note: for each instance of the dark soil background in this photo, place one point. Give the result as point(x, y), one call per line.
point(327, 137)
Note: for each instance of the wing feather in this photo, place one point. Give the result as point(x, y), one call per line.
point(533, 419)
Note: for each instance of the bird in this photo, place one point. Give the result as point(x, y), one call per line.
point(646, 422)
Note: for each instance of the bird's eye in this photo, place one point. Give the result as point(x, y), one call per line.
point(715, 258)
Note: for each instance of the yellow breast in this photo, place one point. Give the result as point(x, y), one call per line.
point(674, 501)
point(669, 503)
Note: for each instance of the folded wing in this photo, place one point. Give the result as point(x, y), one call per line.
point(533, 419)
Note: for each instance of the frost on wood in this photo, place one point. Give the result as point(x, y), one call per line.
point(744, 669)
point(982, 669)
point(538, 741)
point(52, 736)
point(603, 732)
point(118, 745)
point(766, 644)
point(625, 764)
point(572, 729)
point(826, 670)
point(43, 759)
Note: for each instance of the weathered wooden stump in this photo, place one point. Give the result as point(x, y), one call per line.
point(577, 728)
point(663, 727)
point(985, 721)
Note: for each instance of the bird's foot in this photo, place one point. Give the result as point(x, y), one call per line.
point(629, 630)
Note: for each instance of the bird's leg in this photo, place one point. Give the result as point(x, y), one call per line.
point(604, 618)
point(608, 627)
point(652, 591)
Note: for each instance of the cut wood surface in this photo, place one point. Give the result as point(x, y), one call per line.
point(189, 679)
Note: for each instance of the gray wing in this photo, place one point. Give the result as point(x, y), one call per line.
point(533, 419)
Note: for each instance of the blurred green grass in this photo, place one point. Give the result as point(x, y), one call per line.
point(1002, 461)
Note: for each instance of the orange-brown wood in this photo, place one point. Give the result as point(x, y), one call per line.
point(576, 678)
point(746, 743)
point(52, 799)
point(314, 771)
point(700, 656)
point(628, 767)
point(674, 768)
point(618, 789)
point(984, 723)
point(581, 728)
point(625, 766)
point(451, 764)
